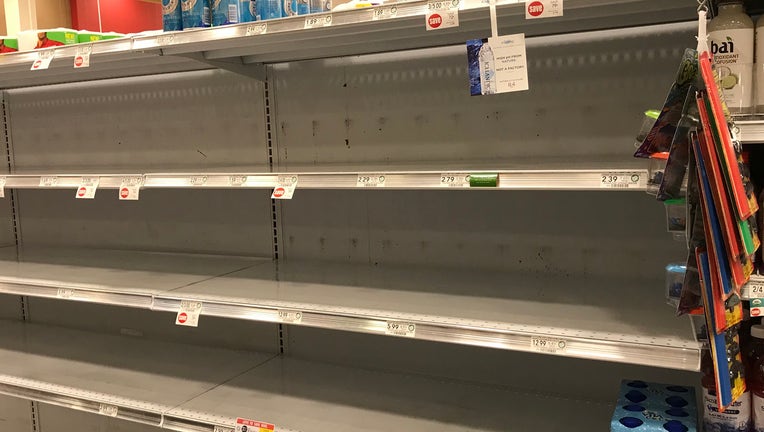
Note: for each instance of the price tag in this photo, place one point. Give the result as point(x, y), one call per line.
point(455, 180)
point(399, 328)
point(543, 8)
point(65, 293)
point(384, 12)
point(87, 188)
point(108, 410)
point(188, 314)
point(237, 180)
point(166, 39)
point(48, 181)
point(371, 180)
point(285, 186)
point(633, 180)
point(442, 14)
point(757, 306)
point(43, 60)
point(290, 316)
point(3, 180)
point(222, 429)
point(130, 188)
point(247, 425)
point(754, 288)
point(199, 180)
point(82, 56)
point(548, 345)
point(257, 29)
point(318, 21)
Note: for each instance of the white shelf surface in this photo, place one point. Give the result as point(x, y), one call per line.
point(191, 388)
point(604, 178)
point(243, 48)
point(473, 307)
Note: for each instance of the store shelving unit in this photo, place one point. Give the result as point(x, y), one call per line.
point(386, 309)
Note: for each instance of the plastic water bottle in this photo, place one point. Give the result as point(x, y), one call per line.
point(487, 70)
point(320, 6)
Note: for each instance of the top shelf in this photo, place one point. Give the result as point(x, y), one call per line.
point(243, 48)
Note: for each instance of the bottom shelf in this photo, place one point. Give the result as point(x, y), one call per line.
point(192, 388)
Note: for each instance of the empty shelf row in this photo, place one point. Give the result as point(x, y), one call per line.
point(558, 315)
point(601, 179)
point(184, 387)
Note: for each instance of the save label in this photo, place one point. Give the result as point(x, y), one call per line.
point(399, 328)
point(442, 14)
point(548, 345)
point(82, 56)
point(247, 425)
point(632, 180)
point(43, 60)
point(87, 188)
point(188, 314)
point(285, 186)
point(543, 8)
point(757, 306)
point(130, 188)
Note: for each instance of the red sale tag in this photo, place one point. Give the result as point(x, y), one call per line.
point(247, 425)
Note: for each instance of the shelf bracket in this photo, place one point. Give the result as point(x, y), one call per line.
point(237, 66)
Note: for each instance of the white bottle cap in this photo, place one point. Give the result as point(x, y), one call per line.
point(757, 331)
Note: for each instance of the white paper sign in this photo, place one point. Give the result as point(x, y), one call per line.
point(43, 60)
point(442, 14)
point(48, 181)
point(257, 29)
point(198, 180)
point(222, 429)
point(318, 21)
point(543, 9)
point(455, 180)
point(82, 56)
point(371, 180)
point(130, 188)
point(108, 410)
point(399, 328)
point(3, 180)
point(548, 345)
point(188, 314)
point(237, 180)
point(87, 188)
point(632, 180)
point(290, 316)
point(510, 63)
point(384, 12)
point(285, 187)
point(754, 288)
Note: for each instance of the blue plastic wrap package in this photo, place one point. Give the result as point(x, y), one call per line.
point(268, 9)
point(225, 12)
point(654, 407)
point(248, 10)
point(288, 8)
point(172, 18)
point(303, 7)
point(196, 13)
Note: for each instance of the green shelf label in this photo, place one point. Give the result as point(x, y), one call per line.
point(484, 180)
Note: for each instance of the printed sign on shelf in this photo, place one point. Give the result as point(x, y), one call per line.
point(497, 65)
point(48, 181)
point(622, 180)
point(548, 345)
point(257, 29)
point(754, 288)
point(87, 188)
point(130, 188)
point(442, 14)
point(384, 12)
point(371, 180)
point(43, 60)
point(82, 56)
point(318, 21)
point(290, 316)
point(3, 180)
point(246, 425)
point(285, 186)
point(455, 180)
point(543, 9)
point(399, 328)
point(108, 410)
point(188, 314)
